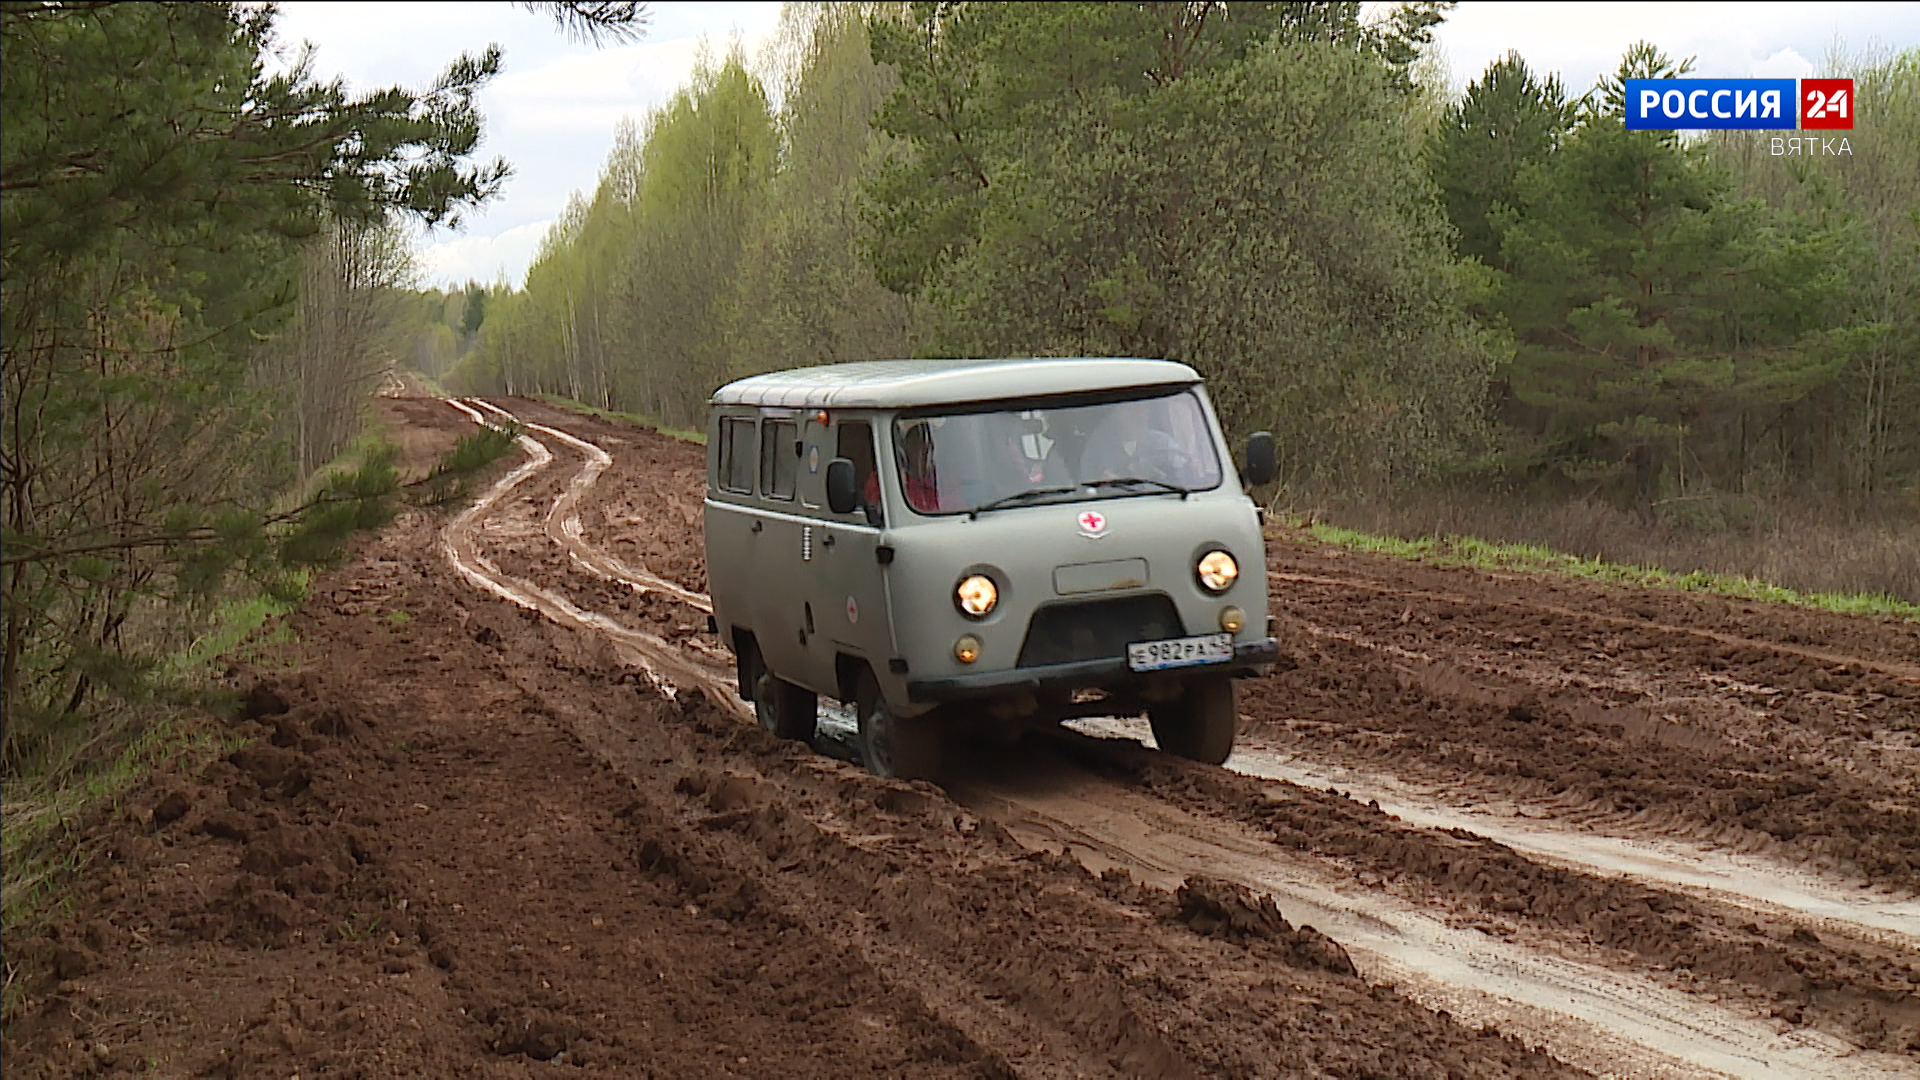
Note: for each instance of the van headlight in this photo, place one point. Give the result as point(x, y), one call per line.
point(1217, 571)
point(975, 596)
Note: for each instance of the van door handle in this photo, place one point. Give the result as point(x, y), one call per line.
point(756, 525)
point(829, 541)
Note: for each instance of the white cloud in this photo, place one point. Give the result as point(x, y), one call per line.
point(1785, 64)
point(454, 259)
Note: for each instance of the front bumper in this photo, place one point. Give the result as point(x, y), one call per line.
point(1249, 658)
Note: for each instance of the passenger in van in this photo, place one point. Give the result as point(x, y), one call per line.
point(1016, 469)
point(1129, 444)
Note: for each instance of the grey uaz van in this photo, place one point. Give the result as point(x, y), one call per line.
point(950, 544)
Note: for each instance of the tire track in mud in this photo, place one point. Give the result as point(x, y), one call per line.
point(1825, 905)
point(1497, 981)
point(564, 527)
point(650, 653)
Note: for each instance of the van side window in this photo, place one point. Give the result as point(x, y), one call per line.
point(779, 465)
point(856, 445)
point(736, 455)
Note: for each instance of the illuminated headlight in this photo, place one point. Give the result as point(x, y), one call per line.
point(976, 596)
point(1217, 571)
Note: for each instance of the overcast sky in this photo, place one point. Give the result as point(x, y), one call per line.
point(553, 110)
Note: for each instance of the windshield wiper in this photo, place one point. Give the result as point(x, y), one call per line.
point(1019, 497)
point(1119, 481)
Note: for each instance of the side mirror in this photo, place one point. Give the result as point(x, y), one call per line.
point(1263, 464)
point(843, 491)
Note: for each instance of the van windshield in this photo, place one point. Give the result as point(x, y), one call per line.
point(969, 460)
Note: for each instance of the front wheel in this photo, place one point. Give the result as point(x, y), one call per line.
point(1199, 724)
point(899, 748)
point(786, 711)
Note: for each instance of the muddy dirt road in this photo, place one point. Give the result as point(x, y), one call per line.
point(503, 813)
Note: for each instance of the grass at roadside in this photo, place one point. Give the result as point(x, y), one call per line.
point(683, 434)
point(46, 816)
point(1468, 551)
point(45, 821)
point(47, 812)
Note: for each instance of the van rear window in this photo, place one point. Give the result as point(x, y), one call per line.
point(736, 455)
point(779, 461)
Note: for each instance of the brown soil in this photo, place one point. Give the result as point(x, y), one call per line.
point(468, 841)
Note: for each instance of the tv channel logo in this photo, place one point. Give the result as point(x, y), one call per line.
point(1739, 104)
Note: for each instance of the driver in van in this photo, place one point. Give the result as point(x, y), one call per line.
point(1128, 445)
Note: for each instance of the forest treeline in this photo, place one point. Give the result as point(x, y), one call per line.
point(205, 280)
point(1504, 288)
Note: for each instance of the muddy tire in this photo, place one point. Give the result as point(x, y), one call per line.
point(1199, 724)
point(786, 711)
point(895, 747)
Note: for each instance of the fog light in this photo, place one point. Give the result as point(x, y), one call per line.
point(967, 649)
point(1232, 619)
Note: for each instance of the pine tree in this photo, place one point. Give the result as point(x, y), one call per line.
point(1648, 302)
point(161, 192)
point(1506, 123)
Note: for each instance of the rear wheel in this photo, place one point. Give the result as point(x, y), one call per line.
point(900, 748)
point(1199, 724)
point(783, 709)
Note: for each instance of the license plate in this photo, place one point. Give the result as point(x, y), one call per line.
point(1180, 652)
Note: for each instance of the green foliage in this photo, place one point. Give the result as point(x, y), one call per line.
point(349, 502)
point(1506, 124)
point(1859, 432)
point(1648, 301)
point(805, 294)
point(1508, 288)
point(474, 312)
point(450, 479)
point(1232, 187)
point(199, 139)
point(720, 240)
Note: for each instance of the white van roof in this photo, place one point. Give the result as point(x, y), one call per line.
point(897, 384)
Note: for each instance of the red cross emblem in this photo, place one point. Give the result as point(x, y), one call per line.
point(1093, 522)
